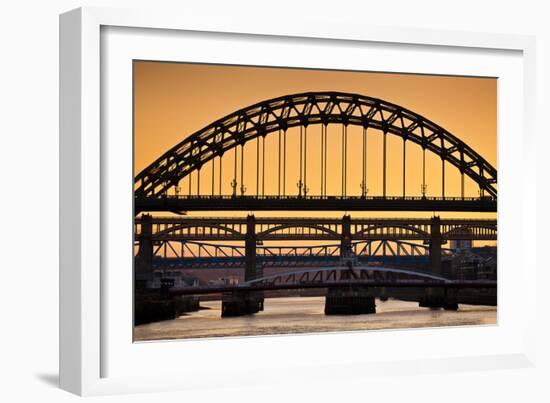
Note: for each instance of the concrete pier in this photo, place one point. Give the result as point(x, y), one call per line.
point(240, 303)
point(349, 301)
point(444, 298)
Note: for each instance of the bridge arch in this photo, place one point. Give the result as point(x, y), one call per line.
point(320, 228)
point(298, 276)
point(407, 228)
point(322, 108)
point(469, 230)
point(182, 227)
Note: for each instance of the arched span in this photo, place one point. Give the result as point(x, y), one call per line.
point(468, 230)
point(372, 229)
point(182, 227)
point(281, 227)
point(306, 109)
point(393, 270)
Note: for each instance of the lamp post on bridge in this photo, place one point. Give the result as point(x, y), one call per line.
point(423, 190)
point(234, 187)
point(364, 189)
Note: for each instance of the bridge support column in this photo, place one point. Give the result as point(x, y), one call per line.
point(434, 297)
point(151, 305)
point(143, 264)
point(238, 303)
point(436, 240)
point(345, 241)
point(353, 300)
point(451, 299)
point(383, 294)
point(250, 249)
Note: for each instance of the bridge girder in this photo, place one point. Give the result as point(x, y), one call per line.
point(234, 229)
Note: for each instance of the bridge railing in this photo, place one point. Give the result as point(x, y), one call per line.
point(319, 197)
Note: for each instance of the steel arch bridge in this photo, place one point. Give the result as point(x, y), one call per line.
point(157, 187)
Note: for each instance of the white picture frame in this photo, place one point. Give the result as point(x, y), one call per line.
point(97, 357)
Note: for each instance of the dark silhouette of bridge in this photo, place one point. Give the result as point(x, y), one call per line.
point(177, 243)
point(184, 254)
point(162, 241)
point(157, 187)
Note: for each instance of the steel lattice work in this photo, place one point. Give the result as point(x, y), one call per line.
point(201, 255)
point(193, 249)
point(304, 110)
point(322, 229)
point(341, 276)
point(326, 275)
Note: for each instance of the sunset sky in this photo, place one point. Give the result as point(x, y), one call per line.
point(174, 100)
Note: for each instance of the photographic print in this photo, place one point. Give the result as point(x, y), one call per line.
point(273, 200)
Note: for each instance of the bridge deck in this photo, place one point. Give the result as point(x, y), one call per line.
point(366, 283)
point(312, 203)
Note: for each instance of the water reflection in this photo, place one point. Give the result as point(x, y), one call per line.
point(306, 315)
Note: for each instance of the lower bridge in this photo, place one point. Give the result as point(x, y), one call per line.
point(350, 288)
point(368, 262)
point(203, 255)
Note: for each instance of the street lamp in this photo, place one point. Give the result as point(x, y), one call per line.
point(300, 184)
point(423, 190)
point(364, 189)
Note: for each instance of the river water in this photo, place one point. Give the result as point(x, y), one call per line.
point(306, 315)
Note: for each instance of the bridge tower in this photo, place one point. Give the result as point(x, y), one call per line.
point(436, 240)
point(250, 249)
point(351, 300)
point(239, 303)
point(437, 297)
point(144, 259)
point(345, 241)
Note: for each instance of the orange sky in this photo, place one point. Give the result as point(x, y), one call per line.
point(174, 100)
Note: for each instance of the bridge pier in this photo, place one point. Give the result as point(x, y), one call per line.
point(353, 300)
point(451, 299)
point(143, 266)
point(251, 267)
point(239, 303)
point(383, 294)
point(434, 297)
point(345, 240)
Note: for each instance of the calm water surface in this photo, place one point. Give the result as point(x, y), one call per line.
point(306, 315)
